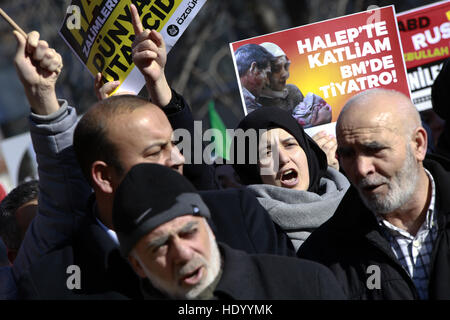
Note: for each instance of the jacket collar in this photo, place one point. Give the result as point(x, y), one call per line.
point(235, 270)
point(95, 237)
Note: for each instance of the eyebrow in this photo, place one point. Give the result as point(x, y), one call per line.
point(289, 139)
point(373, 145)
point(155, 243)
point(188, 226)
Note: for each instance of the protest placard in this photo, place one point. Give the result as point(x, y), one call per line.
point(100, 33)
point(425, 34)
point(330, 61)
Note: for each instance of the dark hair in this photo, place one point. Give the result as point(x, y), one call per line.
point(249, 53)
point(90, 140)
point(9, 228)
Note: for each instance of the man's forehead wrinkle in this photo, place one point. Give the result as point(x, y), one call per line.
point(174, 228)
point(360, 131)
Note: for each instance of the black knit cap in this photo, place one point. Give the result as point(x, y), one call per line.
point(149, 196)
point(271, 118)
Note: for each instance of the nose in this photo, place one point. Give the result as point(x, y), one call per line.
point(180, 251)
point(364, 166)
point(176, 159)
point(283, 156)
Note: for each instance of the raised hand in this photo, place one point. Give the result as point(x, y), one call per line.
point(38, 68)
point(103, 91)
point(328, 144)
point(149, 55)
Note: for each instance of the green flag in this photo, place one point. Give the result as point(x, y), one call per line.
point(221, 139)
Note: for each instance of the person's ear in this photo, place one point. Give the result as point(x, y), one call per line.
point(136, 266)
point(102, 176)
point(253, 67)
point(420, 143)
point(12, 254)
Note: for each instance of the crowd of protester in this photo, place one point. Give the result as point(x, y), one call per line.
point(363, 215)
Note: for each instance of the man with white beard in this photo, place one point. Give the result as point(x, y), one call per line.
point(389, 238)
point(160, 221)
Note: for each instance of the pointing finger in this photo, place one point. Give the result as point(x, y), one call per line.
point(136, 20)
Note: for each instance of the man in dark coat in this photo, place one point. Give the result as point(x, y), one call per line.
point(237, 219)
point(389, 238)
point(163, 232)
point(113, 136)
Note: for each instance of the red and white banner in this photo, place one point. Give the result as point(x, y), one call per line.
point(425, 35)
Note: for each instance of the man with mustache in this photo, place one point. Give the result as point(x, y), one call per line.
point(389, 239)
point(160, 221)
point(111, 137)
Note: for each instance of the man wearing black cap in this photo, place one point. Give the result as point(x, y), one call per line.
point(163, 231)
point(112, 136)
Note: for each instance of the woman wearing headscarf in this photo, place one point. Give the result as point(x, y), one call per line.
point(290, 178)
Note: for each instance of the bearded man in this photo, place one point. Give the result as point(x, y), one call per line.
point(160, 221)
point(389, 238)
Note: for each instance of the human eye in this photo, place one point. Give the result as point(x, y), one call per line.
point(375, 149)
point(290, 143)
point(344, 153)
point(155, 151)
point(276, 70)
point(190, 233)
point(158, 248)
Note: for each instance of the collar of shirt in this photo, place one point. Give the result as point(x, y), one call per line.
point(429, 222)
point(110, 232)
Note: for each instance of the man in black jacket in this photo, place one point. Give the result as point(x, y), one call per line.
point(160, 220)
point(389, 238)
point(112, 137)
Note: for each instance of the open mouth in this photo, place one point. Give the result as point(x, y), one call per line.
point(193, 277)
point(289, 178)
